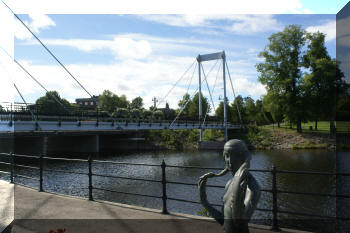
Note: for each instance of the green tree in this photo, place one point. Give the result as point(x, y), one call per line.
point(281, 71)
point(123, 102)
point(250, 109)
point(52, 103)
point(273, 105)
point(324, 82)
point(136, 103)
point(194, 107)
point(238, 105)
point(108, 101)
point(219, 112)
point(185, 103)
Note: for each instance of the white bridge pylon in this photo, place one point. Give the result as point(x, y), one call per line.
point(209, 57)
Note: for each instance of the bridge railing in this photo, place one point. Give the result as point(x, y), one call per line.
point(164, 195)
point(23, 112)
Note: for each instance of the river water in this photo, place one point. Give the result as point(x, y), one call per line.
point(323, 161)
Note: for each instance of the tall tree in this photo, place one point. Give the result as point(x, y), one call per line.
point(52, 103)
point(184, 104)
point(219, 112)
point(238, 105)
point(281, 70)
point(137, 103)
point(194, 106)
point(250, 109)
point(108, 101)
point(272, 104)
point(324, 82)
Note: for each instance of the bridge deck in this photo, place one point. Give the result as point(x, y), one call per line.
point(62, 126)
point(42, 212)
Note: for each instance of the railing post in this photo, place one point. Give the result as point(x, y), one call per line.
point(12, 167)
point(41, 173)
point(275, 226)
point(164, 197)
point(90, 178)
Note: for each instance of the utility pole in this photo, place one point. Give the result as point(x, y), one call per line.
point(155, 100)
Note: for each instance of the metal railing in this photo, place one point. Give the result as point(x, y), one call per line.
point(21, 112)
point(274, 189)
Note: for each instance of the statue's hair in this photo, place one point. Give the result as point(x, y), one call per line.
point(238, 148)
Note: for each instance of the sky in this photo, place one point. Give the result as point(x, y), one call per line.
point(146, 54)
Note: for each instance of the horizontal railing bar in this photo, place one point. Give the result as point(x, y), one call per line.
point(127, 178)
point(7, 154)
point(63, 171)
point(126, 163)
point(259, 170)
point(306, 172)
point(136, 194)
point(188, 201)
point(342, 196)
point(304, 214)
point(195, 167)
point(27, 156)
point(265, 210)
point(3, 172)
point(4, 163)
point(27, 177)
point(25, 166)
point(307, 193)
point(65, 159)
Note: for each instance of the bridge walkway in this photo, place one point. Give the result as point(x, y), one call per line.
point(42, 212)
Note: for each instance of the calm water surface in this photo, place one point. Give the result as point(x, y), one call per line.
point(324, 161)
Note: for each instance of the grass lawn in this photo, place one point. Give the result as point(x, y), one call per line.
point(322, 127)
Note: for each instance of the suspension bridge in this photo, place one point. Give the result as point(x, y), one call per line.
point(21, 120)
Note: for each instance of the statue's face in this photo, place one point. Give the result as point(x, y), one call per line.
point(232, 162)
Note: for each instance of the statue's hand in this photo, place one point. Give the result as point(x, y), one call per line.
point(201, 185)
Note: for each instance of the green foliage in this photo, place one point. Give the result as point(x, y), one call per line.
point(281, 70)
point(158, 115)
point(212, 134)
point(174, 139)
point(147, 114)
point(261, 138)
point(185, 104)
point(135, 113)
point(109, 101)
point(203, 212)
point(121, 113)
point(137, 103)
point(50, 104)
point(193, 110)
point(219, 112)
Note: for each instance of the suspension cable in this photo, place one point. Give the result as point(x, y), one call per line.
point(59, 62)
point(30, 110)
point(30, 75)
point(48, 50)
point(233, 90)
point(211, 98)
point(212, 91)
point(174, 85)
point(183, 107)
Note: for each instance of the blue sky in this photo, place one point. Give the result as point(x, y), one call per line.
point(144, 55)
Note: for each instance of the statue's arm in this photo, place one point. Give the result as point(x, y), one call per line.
point(217, 215)
point(252, 197)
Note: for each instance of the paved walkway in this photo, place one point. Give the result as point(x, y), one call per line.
point(42, 212)
point(6, 204)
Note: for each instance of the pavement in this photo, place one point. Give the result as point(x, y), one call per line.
point(6, 204)
point(50, 213)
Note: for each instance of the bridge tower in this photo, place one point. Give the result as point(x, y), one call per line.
point(209, 57)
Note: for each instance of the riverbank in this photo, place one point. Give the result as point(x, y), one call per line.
point(274, 138)
point(256, 138)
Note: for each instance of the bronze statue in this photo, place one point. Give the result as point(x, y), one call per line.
point(242, 192)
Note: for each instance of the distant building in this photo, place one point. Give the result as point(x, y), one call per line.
point(90, 103)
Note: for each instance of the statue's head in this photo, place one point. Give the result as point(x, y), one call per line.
point(235, 154)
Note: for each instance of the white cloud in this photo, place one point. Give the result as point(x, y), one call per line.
point(238, 23)
point(122, 47)
point(37, 23)
point(243, 86)
point(328, 28)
